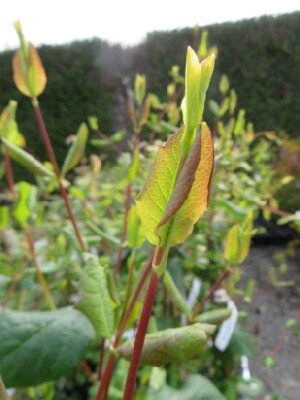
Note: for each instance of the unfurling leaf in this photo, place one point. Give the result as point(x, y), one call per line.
point(168, 205)
point(96, 303)
point(26, 159)
point(177, 345)
point(214, 317)
point(28, 71)
point(76, 150)
point(37, 347)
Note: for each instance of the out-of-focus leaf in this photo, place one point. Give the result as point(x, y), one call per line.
point(195, 387)
point(224, 84)
point(8, 126)
point(176, 345)
point(96, 303)
point(214, 317)
point(145, 111)
point(269, 362)
point(139, 88)
point(26, 159)
point(4, 217)
point(251, 388)
point(238, 241)
point(93, 122)
point(175, 295)
point(21, 210)
point(36, 347)
point(76, 150)
point(28, 72)
point(135, 238)
point(134, 167)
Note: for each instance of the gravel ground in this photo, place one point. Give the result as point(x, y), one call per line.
point(269, 310)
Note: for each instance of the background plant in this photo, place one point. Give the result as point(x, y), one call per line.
point(32, 268)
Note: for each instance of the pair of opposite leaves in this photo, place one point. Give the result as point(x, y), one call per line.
point(174, 197)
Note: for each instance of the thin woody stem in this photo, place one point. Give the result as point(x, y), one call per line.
point(9, 173)
point(159, 263)
point(107, 373)
point(140, 337)
point(39, 273)
point(52, 158)
point(213, 288)
point(124, 230)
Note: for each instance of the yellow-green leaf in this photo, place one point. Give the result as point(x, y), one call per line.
point(26, 159)
point(28, 71)
point(170, 205)
point(238, 241)
point(8, 126)
point(139, 88)
point(135, 238)
point(36, 74)
point(195, 205)
point(154, 196)
point(96, 302)
point(76, 150)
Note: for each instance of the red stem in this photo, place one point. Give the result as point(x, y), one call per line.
point(45, 137)
point(9, 173)
point(213, 288)
point(65, 197)
point(140, 337)
point(124, 230)
point(107, 374)
point(48, 146)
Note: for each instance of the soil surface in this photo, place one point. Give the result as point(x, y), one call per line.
point(269, 310)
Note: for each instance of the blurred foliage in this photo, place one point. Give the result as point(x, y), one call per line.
point(85, 78)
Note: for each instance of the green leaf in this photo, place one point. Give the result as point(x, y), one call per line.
point(215, 317)
point(4, 217)
point(76, 150)
point(26, 159)
point(36, 347)
point(96, 303)
point(269, 362)
point(175, 295)
point(238, 241)
point(224, 84)
point(21, 210)
point(135, 238)
point(252, 388)
point(168, 205)
point(176, 345)
point(195, 387)
point(197, 78)
point(139, 88)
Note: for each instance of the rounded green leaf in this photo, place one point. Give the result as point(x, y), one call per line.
point(36, 347)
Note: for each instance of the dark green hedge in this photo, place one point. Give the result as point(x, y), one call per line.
point(260, 56)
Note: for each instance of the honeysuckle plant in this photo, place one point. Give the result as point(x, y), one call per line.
point(132, 249)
